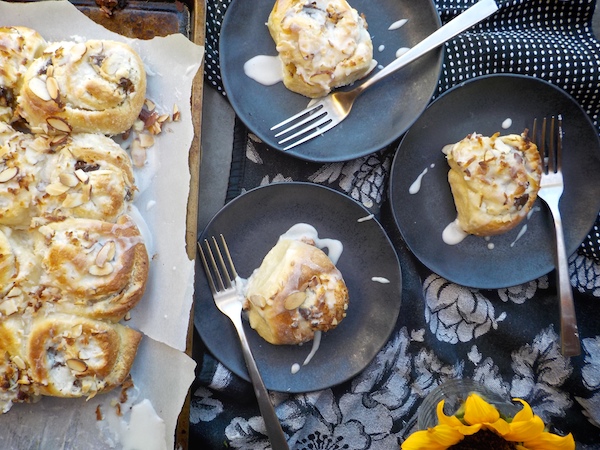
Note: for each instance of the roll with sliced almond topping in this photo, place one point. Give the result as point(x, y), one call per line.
point(296, 291)
point(322, 44)
point(96, 86)
point(494, 181)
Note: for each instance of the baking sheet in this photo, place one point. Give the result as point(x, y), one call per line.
point(162, 371)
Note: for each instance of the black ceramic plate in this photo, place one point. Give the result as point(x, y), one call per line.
point(380, 115)
point(251, 224)
point(482, 105)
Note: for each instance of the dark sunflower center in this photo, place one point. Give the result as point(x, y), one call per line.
point(483, 439)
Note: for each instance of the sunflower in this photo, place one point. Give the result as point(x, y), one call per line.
point(479, 425)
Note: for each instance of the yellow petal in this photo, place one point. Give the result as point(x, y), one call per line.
point(501, 427)
point(549, 441)
point(445, 435)
point(454, 422)
point(477, 410)
point(525, 413)
point(439, 437)
point(524, 430)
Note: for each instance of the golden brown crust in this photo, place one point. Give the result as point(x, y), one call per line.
point(89, 176)
point(73, 356)
point(92, 268)
point(322, 44)
point(295, 292)
point(98, 86)
point(494, 181)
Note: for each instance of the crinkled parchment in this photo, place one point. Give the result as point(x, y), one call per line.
point(162, 372)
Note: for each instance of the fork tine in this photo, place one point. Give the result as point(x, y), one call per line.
point(319, 131)
point(551, 149)
point(313, 126)
point(559, 145)
point(216, 267)
point(297, 116)
point(209, 275)
point(314, 115)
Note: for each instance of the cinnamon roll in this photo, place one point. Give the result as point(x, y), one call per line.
point(89, 176)
point(92, 268)
point(96, 86)
point(322, 44)
point(296, 291)
point(494, 181)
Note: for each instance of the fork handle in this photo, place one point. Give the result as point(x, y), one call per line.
point(470, 17)
point(570, 344)
point(267, 411)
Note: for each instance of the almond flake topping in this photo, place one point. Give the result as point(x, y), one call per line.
point(39, 89)
point(8, 174)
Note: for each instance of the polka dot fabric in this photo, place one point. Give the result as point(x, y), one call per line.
point(548, 39)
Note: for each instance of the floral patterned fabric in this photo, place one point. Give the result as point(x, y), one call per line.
point(507, 339)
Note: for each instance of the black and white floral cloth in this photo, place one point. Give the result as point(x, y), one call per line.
point(507, 338)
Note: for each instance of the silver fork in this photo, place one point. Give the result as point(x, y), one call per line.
point(221, 275)
point(331, 110)
point(551, 189)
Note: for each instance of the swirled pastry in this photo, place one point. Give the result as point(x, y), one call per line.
point(296, 291)
point(96, 86)
point(64, 355)
point(494, 181)
point(19, 46)
point(322, 44)
point(21, 272)
point(18, 171)
point(92, 268)
point(89, 176)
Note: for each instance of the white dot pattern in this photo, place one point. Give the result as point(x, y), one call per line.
point(549, 39)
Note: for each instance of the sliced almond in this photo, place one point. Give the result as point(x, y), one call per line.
point(52, 86)
point(38, 87)
point(82, 175)
point(258, 300)
point(77, 365)
point(163, 118)
point(150, 104)
point(138, 154)
point(59, 139)
point(8, 174)
point(294, 300)
point(68, 179)
point(14, 292)
point(73, 200)
point(59, 124)
point(106, 253)
point(176, 113)
point(77, 51)
point(146, 140)
point(19, 362)
point(86, 192)
point(50, 70)
point(56, 189)
point(98, 271)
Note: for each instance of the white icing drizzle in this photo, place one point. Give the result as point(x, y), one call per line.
point(145, 430)
point(364, 219)
point(521, 233)
point(304, 230)
point(266, 70)
point(381, 280)
point(453, 234)
point(401, 51)
point(507, 123)
point(415, 187)
point(397, 24)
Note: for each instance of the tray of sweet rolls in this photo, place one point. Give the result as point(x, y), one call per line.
point(86, 121)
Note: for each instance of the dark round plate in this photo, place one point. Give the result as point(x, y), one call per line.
point(482, 105)
point(251, 224)
point(380, 115)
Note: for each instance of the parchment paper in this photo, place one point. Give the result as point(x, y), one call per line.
point(162, 373)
